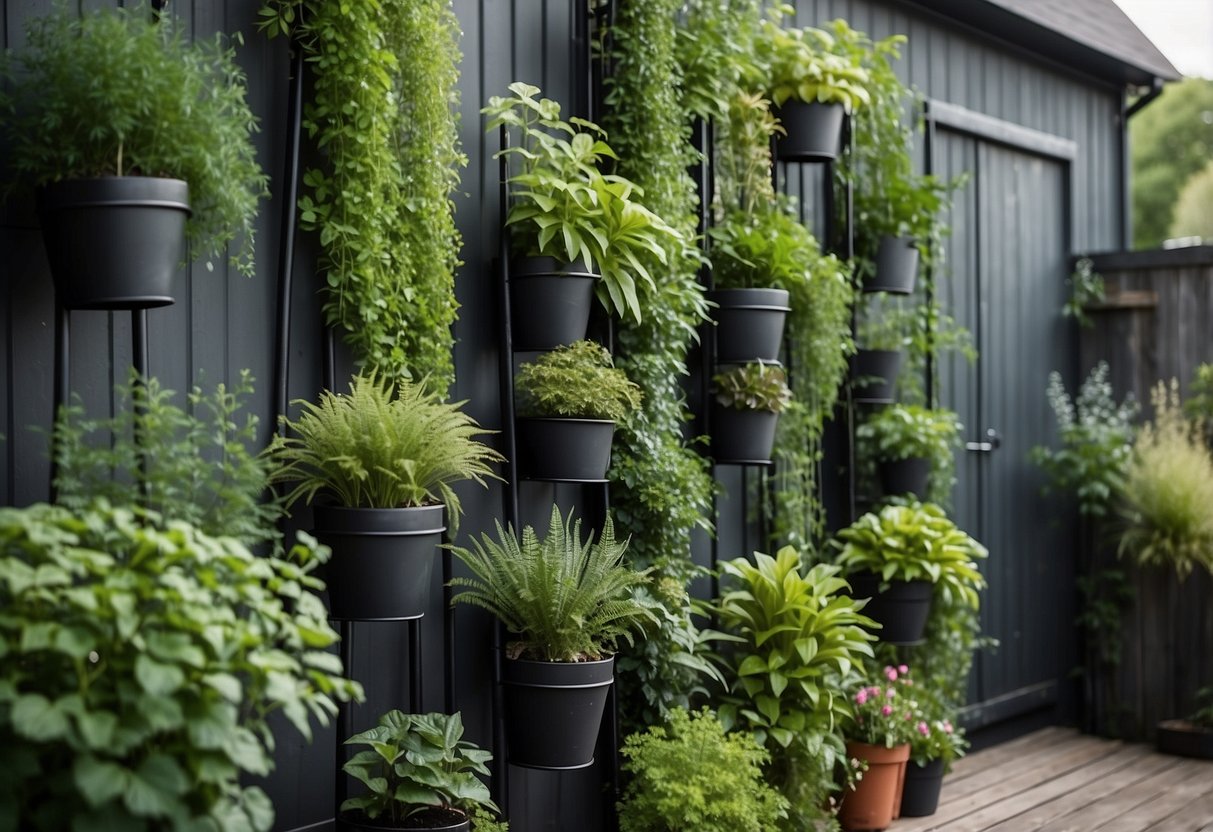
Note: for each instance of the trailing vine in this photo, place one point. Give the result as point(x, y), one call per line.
point(382, 115)
point(660, 487)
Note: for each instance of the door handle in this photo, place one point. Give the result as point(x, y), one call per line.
point(991, 443)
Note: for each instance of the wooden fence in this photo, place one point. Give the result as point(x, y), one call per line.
point(1156, 324)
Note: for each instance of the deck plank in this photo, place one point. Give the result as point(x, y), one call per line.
point(1189, 817)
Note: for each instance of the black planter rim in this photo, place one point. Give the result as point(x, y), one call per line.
point(543, 265)
point(770, 300)
point(403, 521)
point(532, 673)
point(144, 192)
point(344, 823)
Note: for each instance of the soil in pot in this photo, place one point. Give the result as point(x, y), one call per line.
point(876, 798)
point(902, 609)
point(1187, 739)
point(431, 820)
point(550, 302)
point(553, 711)
point(920, 796)
point(813, 131)
point(749, 324)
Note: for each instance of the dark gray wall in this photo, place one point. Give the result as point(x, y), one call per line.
point(223, 322)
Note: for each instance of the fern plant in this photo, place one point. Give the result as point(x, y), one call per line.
point(578, 380)
point(565, 600)
point(381, 446)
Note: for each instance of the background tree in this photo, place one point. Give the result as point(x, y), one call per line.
point(1193, 214)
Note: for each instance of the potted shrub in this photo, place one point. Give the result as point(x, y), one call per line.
point(379, 462)
point(878, 736)
point(420, 774)
point(899, 557)
point(125, 162)
point(141, 660)
point(569, 400)
point(934, 743)
point(690, 774)
point(570, 222)
point(899, 219)
point(566, 603)
point(814, 84)
point(745, 412)
point(882, 334)
point(912, 447)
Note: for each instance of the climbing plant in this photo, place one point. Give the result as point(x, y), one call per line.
point(382, 116)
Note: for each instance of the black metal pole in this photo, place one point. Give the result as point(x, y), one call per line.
point(448, 629)
point(286, 239)
point(63, 328)
point(344, 717)
point(139, 353)
point(416, 691)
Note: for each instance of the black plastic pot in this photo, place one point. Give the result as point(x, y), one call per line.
point(550, 302)
point(901, 609)
point(896, 266)
point(114, 242)
point(813, 132)
point(553, 711)
point(1179, 736)
point(564, 450)
point(749, 324)
point(874, 375)
point(742, 437)
point(905, 476)
point(920, 794)
point(382, 560)
point(345, 823)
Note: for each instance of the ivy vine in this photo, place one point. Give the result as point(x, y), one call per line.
point(382, 116)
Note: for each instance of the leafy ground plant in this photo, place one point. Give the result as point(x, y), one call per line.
point(690, 774)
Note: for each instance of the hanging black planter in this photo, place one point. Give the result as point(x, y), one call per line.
point(114, 242)
point(382, 560)
point(905, 476)
point(813, 131)
point(920, 794)
point(553, 711)
point(347, 824)
point(896, 266)
point(749, 324)
point(874, 375)
point(742, 437)
point(550, 302)
point(902, 609)
point(564, 450)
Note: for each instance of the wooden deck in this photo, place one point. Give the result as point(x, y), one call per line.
point(1058, 780)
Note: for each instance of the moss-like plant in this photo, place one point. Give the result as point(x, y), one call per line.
point(755, 386)
point(116, 93)
point(690, 774)
point(383, 112)
point(381, 446)
point(914, 541)
point(564, 600)
point(578, 380)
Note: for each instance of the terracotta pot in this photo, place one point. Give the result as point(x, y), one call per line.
point(876, 799)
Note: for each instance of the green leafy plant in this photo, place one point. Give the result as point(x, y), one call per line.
point(381, 446)
point(756, 386)
point(197, 466)
point(1167, 489)
point(805, 65)
point(690, 774)
point(565, 206)
point(1198, 406)
point(1203, 715)
point(383, 115)
point(715, 50)
point(418, 767)
point(565, 600)
point(914, 541)
point(115, 93)
point(577, 380)
point(798, 643)
point(884, 713)
point(937, 739)
point(909, 431)
point(1096, 437)
point(139, 661)
point(1086, 287)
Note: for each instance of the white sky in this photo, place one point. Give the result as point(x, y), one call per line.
point(1181, 29)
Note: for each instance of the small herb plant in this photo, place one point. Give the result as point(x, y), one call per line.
point(417, 766)
point(885, 713)
point(565, 600)
point(909, 431)
point(936, 739)
point(141, 660)
point(381, 446)
point(578, 380)
point(1167, 491)
point(690, 774)
point(564, 205)
point(1086, 287)
point(915, 541)
point(1096, 437)
point(115, 93)
point(755, 386)
point(804, 65)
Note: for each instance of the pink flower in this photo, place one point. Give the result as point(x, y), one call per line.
point(923, 729)
point(891, 674)
point(862, 696)
point(886, 710)
point(890, 693)
point(947, 727)
point(902, 669)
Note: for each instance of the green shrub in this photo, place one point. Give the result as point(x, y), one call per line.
point(577, 380)
point(909, 431)
point(690, 774)
point(755, 386)
point(804, 65)
point(139, 661)
point(1167, 491)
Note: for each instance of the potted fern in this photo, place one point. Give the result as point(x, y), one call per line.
point(379, 462)
point(567, 604)
point(135, 139)
point(569, 400)
point(745, 413)
point(574, 225)
point(420, 774)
